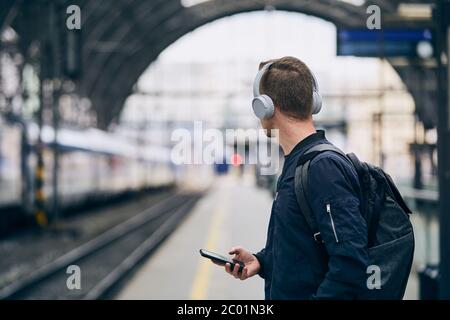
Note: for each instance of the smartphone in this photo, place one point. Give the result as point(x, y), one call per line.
point(221, 259)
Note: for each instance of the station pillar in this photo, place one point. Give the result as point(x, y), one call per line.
point(442, 15)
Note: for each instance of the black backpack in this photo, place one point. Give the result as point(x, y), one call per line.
point(390, 232)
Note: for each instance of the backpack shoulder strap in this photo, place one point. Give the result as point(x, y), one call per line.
point(301, 184)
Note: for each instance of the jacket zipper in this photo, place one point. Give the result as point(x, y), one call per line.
point(332, 221)
point(271, 276)
point(271, 282)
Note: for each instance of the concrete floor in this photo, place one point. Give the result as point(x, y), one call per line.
point(233, 213)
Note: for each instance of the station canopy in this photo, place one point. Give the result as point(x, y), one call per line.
point(119, 39)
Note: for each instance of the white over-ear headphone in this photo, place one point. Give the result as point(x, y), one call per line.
point(262, 104)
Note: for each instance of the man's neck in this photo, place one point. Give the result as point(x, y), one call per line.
point(292, 132)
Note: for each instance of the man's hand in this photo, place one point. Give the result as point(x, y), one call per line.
point(251, 264)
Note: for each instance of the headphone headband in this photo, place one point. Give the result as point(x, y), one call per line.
point(258, 78)
point(315, 83)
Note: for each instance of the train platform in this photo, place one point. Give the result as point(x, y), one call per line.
point(234, 212)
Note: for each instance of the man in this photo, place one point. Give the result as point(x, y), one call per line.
point(293, 263)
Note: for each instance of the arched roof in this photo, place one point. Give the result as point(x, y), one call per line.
point(121, 38)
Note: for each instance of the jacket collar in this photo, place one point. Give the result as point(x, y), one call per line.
point(311, 139)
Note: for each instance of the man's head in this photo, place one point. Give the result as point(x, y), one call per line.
point(290, 84)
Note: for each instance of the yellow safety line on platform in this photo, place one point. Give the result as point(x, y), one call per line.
point(201, 281)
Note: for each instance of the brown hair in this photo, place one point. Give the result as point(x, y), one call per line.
point(289, 83)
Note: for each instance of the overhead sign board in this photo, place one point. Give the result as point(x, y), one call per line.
point(385, 43)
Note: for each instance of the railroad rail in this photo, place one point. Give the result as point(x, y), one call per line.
point(107, 258)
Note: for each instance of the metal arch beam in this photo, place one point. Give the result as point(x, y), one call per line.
point(108, 98)
point(127, 84)
point(324, 9)
point(157, 27)
point(115, 64)
point(94, 45)
point(93, 20)
point(190, 18)
point(93, 15)
point(95, 55)
point(342, 13)
point(106, 30)
point(133, 40)
point(96, 59)
point(227, 13)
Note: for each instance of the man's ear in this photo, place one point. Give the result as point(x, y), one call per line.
point(277, 113)
point(276, 109)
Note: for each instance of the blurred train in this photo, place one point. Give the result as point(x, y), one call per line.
point(93, 165)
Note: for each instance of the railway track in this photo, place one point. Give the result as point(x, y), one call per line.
point(107, 258)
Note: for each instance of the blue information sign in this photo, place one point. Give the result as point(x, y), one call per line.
point(385, 43)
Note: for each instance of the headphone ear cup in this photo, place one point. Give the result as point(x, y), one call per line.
point(259, 108)
point(263, 107)
point(317, 102)
point(270, 108)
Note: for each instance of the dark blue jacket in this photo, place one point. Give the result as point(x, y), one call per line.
point(294, 265)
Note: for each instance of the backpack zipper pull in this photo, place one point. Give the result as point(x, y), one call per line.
point(332, 222)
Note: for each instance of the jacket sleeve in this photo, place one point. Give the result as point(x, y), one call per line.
point(333, 194)
point(261, 256)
